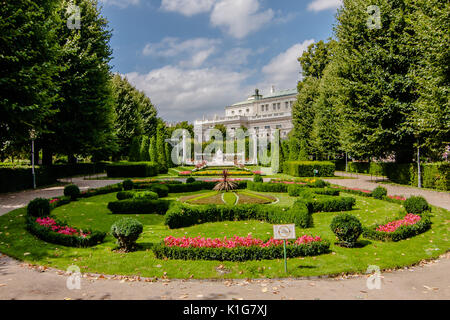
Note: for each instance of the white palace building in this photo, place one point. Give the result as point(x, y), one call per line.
point(259, 114)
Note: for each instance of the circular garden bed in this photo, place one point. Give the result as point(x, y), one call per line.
point(250, 223)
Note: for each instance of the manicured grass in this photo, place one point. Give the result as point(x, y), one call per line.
point(229, 198)
point(15, 241)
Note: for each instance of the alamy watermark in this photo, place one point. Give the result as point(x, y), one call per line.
point(374, 20)
point(374, 280)
point(74, 280)
point(74, 19)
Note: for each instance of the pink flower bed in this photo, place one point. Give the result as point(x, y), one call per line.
point(408, 220)
point(234, 242)
point(287, 182)
point(53, 225)
point(185, 173)
point(354, 189)
point(54, 200)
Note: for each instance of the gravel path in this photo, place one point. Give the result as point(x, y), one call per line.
point(436, 198)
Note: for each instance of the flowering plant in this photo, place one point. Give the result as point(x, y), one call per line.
point(54, 226)
point(233, 242)
point(401, 198)
point(408, 220)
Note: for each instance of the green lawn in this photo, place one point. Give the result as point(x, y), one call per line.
point(15, 241)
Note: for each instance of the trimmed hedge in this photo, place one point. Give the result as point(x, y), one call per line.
point(182, 188)
point(102, 190)
point(17, 179)
point(306, 168)
point(181, 215)
point(379, 193)
point(139, 206)
point(267, 187)
point(329, 204)
point(50, 236)
point(38, 207)
point(132, 169)
point(241, 253)
point(416, 205)
point(401, 233)
point(72, 191)
point(295, 190)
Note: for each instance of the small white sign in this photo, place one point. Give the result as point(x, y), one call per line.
point(284, 231)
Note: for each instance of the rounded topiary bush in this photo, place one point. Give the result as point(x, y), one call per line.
point(145, 195)
point(416, 205)
point(258, 178)
point(347, 229)
point(161, 190)
point(127, 231)
point(72, 191)
point(127, 184)
point(190, 180)
point(301, 215)
point(321, 184)
point(38, 207)
point(379, 193)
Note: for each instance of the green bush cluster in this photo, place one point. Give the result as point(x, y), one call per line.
point(306, 168)
point(294, 190)
point(160, 189)
point(72, 191)
point(240, 254)
point(190, 180)
point(123, 195)
point(38, 207)
point(258, 178)
point(127, 184)
point(401, 233)
point(416, 205)
point(329, 203)
point(267, 187)
point(347, 229)
point(50, 236)
point(127, 231)
point(102, 190)
point(132, 206)
point(132, 169)
point(379, 193)
point(145, 195)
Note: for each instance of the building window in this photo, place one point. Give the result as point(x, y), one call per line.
point(267, 107)
point(274, 106)
point(287, 104)
point(262, 107)
point(232, 112)
point(248, 110)
point(267, 127)
point(278, 126)
point(256, 128)
point(278, 106)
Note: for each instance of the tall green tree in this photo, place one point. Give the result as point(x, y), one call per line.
point(152, 149)
point(160, 148)
point(144, 150)
point(29, 51)
point(84, 120)
point(377, 89)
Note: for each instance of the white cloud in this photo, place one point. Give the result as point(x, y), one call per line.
point(284, 70)
point(171, 47)
point(320, 5)
point(236, 56)
point(187, 7)
point(120, 3)
point(240, 17)
point(181, 94)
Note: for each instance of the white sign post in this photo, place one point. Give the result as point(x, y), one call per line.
point(284, 232)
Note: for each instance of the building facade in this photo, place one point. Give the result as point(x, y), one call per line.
point(260, 114)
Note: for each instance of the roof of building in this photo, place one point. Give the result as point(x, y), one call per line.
point(276, 94)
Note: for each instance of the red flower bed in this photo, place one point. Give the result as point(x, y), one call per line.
point(397, 198)
point(408, 220)
point(234, 242)
point(53, 225)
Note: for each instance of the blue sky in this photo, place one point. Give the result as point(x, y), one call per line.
point(194, 57)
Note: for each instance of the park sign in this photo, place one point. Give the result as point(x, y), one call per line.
point(284, 231)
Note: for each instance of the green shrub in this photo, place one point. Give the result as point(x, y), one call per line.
point(416, 205)
point(190, 180)
point(38, 207)
point(379, 193)
point(127, 231)
point(103, 190)
point(401, 233)
point(436, 175)
point(258, 178)
point(47, 235)
point(127, 184)
point(132, 169)
point(267, 187)
point(161, 190)
point(319, 183)
point(123, 195)
point(132, 206)
point(347, 229)
point(306, 168)
point(329, 203)
point(72, 191)
point(145, 195)
point(241, 253)
point(296, 190)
